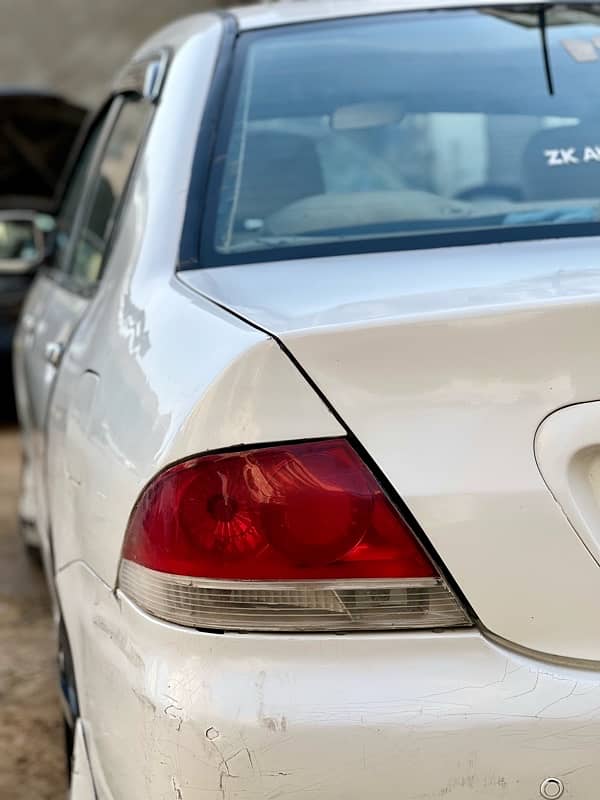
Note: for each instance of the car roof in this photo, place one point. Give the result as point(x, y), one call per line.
point(275, 13)
point(289, 12)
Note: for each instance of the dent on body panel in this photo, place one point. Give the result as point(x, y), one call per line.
point(509, 726)
point(411, 716)
point(81, 405)
point(134, 702)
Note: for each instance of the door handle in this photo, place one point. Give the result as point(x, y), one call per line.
point(54, 353)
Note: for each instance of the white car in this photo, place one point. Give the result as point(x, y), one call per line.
point(310, 402)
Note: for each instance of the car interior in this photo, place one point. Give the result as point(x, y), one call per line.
point(378, 145)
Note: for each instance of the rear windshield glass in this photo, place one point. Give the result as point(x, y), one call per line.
point(409, 130)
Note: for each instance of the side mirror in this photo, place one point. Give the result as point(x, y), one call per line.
point(24, 240)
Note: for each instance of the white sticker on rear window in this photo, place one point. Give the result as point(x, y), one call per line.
point(591, 154)
point(558, 158)
point(565, 156)
point(582, 50)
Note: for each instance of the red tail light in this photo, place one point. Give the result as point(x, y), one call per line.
point(304, 530)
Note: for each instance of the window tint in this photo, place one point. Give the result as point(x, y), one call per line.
point(111, 181)
point(406, 130)
point(73, 197)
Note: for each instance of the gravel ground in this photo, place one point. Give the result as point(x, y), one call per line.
point(31, 734)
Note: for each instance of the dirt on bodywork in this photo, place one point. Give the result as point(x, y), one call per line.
point(31, 732)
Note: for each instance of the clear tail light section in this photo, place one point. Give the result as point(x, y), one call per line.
point(296, 537)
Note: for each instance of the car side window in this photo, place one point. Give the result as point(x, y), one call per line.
point(74, 195)
point(103, 206)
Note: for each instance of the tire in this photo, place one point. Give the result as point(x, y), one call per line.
point(69, 748)
point(68, 692)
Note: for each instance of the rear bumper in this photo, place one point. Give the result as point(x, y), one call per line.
point(82, 785)
point(172, 713)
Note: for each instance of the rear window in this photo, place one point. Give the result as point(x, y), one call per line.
point(407, 131)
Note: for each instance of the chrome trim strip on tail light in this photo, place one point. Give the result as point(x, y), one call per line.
point(294, 606)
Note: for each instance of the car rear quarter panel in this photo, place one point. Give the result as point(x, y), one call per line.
point(174, 713)
point(155, 372)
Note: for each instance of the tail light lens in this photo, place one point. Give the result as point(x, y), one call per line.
point(298, 537)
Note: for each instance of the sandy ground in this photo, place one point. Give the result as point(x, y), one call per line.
point(31, 734)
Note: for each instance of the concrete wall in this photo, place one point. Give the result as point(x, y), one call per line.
point(76, 46)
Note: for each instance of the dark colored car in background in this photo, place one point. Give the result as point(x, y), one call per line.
point(38, 131)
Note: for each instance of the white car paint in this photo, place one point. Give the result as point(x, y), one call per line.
point(566, 449)
point(288, 12)
point(157, 368)
point(82, 784)
point(179, 713)
point(469, 362)
point(50, 314)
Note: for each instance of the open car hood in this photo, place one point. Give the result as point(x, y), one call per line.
point(37, 134)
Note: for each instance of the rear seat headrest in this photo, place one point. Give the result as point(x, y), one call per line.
point(279, 169)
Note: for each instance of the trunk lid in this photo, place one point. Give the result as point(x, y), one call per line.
point(444, 363)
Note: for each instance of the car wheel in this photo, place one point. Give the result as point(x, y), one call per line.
point(69, 746)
